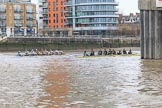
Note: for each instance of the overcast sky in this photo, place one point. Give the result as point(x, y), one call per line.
point(125, 6)
point(128, 6)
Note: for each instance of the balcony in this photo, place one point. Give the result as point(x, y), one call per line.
point(45, 18)
point(3, 18)
point(30, 12)
point(96, 3)
point(44, 0)
point(45, 25)
point(45, 7)
point(45, 12)
point(2, 11)
point(2, 25)
point(34, 25)
point(18, 24)
point(18, 18)
point(31, 25)
point(30, 18)
point(34, 11)
point(68, 23)
point(68, 11)
point(18, 11)
point(70, 3)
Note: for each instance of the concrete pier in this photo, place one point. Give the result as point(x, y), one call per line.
point(151, 29)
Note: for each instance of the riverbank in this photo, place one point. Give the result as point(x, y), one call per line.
point(97, 49)
point(22, 44)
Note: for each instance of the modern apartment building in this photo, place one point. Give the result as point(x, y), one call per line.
point(52, 13)
point(20, 1)
point(45, 13)
point(18, 18)
point(51, 17)
point(91, 17)
point(40, 15)
point(55, 13)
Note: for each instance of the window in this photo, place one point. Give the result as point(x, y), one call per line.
point(61, 20)
point(62, 14)
point(61, 2)
point(29, 9)
point(17, 8)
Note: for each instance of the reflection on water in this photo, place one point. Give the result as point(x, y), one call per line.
point(57, 87)
point(70, 82)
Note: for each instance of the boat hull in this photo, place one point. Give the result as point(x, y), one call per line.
point(103, 56)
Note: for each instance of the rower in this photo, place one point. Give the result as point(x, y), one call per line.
point(109, 52)
point(105, 52)
point(119, 53)
point(51, 52)
point(19, 53)
point(92, 53)
point(32, 52)
point(124, 51)
point(100, 52)
point(46, 52)
point(113, 52)
point(130, 51)
point(85, 53)
point(26, 53)
point(36, 51)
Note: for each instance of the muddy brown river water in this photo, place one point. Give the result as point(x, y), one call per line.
point(71, 82)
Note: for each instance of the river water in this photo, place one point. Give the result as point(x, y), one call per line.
point(71, 82)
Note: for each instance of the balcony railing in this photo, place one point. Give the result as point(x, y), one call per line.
point(31, 25)
point(2, 11)
point(18, 18)
point(2, 18)
point(18, 25)
point(18, 11)
point(45, 18)
point(30, 18)
point(44, 0)
point(30, 12)
point(2, 25)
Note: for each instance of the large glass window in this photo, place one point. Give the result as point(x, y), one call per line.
point(30, 23)
point(95, 8)
point(2, 8)
point(29, 9)
point(17, 16)
point(18, 23)
point(2, 23)
point(93, 1)
point(17, 8)
point(29, 16)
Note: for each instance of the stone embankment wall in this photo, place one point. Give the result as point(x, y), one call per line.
point(68, 43)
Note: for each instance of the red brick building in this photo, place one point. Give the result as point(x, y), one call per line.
point(55, 13)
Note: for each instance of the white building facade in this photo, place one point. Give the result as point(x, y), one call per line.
point(91, 17)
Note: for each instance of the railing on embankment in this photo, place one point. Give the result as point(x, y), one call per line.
point(66, 43)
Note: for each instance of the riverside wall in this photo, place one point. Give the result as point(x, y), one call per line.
point(66, 43)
